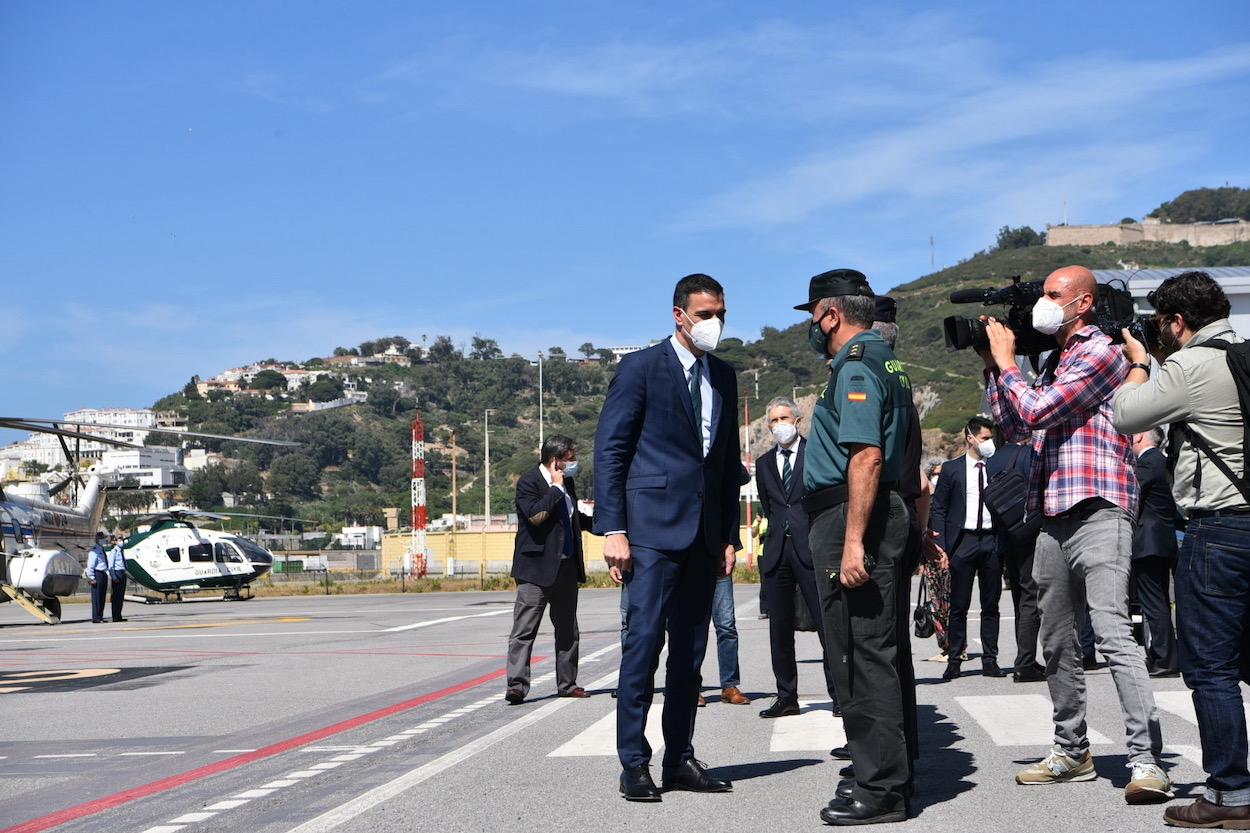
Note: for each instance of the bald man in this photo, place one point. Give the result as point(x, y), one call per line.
point(1084, 486)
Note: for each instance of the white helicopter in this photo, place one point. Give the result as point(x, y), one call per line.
point(170, 555)
point(44, 545)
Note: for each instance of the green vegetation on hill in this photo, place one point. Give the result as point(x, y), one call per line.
point(354, 461)
point(1206, 205)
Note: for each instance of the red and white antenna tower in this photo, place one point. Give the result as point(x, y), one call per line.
point(417, 547)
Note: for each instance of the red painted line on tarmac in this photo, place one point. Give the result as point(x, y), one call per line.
point(108, 802)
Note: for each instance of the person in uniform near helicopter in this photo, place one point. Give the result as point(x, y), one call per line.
point(117, 578)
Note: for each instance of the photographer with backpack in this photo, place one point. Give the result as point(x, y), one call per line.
point(1202, 390)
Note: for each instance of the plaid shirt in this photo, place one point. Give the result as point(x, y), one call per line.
point(1077, 454)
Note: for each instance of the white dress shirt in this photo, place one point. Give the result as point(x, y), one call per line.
point(117, 558)
point(687, 360)
point(972, 494)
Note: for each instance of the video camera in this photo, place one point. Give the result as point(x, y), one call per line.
point(1113, 311)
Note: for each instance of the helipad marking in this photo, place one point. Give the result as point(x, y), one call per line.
point(815, 728)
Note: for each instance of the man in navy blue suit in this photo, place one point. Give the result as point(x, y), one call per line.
point(965, 531)
point(666, 498)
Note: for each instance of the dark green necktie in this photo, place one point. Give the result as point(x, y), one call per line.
point(787, 473)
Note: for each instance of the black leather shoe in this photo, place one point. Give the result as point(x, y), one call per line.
point(1089, 663)
point(514, 696)
point(847, 771)
point(842, 753)
point(952, 671)
point(849, 811)
point(844, 788)
point(1029, 674)
point(780, 708)
point(989, 668)
point(691, 775)
point(636, 785)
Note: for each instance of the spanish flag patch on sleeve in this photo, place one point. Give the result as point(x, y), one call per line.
point(857, 397)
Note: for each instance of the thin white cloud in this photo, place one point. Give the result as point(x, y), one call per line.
point(1098, 105)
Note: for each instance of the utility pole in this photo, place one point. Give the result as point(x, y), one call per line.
point(486, 501)
point(450, 567)
point(540, 399)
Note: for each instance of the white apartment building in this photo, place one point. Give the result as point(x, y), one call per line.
point(153, 466)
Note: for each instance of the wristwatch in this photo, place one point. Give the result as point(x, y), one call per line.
point(1141, 366)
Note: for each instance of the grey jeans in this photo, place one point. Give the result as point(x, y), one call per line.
point(1083, 557)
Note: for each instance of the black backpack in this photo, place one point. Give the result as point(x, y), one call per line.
point(1238, 357)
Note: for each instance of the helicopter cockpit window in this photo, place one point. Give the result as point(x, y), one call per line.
point(226, 554)
point(175, 554)
point(200, 552)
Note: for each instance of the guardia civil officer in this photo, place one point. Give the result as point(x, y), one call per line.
point(859, 531)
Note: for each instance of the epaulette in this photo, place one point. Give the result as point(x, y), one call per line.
point(856, 353)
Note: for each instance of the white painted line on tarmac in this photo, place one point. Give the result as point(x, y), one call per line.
point(303, 773)
point(1017, 719)
point(148, 754)
point(70, 755)
point(415, 625)
point(1193, 754)
point(599, 739)
point(277, 785)
point(814, 729)
point(327, 765)
point(192, 818)
point(165, 828)
point(354, 756)
point(383, 793)
point(254, 793)
point(231, 751)
point(1181, 704)
point(227, 805)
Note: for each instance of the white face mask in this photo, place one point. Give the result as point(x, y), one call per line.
point(784, 433)
point(705, 334)
point(1048, 316)
point(571, 468)
point(986, 448)
point(933, 482)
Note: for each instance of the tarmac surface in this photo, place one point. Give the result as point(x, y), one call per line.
point(386, 713)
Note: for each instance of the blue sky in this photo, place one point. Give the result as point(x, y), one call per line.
point(190, 186)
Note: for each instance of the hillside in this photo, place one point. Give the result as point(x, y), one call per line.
point(355, 460)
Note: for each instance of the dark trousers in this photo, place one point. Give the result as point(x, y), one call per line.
point(1018, 565)
point(117, 595)
point(779, 588)
point(98, 590)
point(906, 671)
point(861, 635)
point(975, 557)
point(527, 615)
point(673, 589)
point(1151, 576)
point(1213, 618)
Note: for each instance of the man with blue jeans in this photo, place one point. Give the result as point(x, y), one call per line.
point(1195, 393)
point(726, 627)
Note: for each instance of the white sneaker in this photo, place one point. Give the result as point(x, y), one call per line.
point(1149, 784)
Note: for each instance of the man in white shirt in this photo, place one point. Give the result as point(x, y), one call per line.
point(965, 531)
point(117, 578)
point(98, 577)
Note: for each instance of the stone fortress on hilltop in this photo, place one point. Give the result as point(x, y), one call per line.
point(1151, 230)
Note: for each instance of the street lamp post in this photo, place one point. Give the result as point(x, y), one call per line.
point(486, 501)
point(540, 398)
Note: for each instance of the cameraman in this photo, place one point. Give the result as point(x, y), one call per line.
point(1082, 483)
point(1194, 391)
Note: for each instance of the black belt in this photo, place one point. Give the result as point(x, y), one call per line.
point(1235, 512)
point(986, 531)
point(818, 501)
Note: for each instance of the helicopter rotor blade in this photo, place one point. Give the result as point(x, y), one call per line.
point(36, 425)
